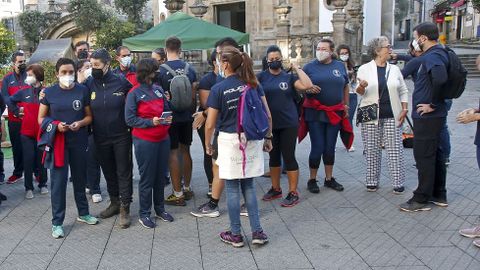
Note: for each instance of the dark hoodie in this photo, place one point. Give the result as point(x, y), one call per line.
point(431, 78)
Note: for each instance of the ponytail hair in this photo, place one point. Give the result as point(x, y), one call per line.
point(241, 64)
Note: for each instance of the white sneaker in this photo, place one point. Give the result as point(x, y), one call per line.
point(29, 194)
point(44, 190)
point(352, 149)
point(96, 198)
point(87, 190)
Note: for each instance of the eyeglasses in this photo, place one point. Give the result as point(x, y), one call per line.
point(388, 47)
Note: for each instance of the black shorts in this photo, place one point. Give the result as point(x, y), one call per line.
point(180, 133)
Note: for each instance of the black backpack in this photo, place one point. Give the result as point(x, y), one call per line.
point(457, 76)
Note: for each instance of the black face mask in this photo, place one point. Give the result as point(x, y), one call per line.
point(275, 64)
point(22, 68)
point(82, 55)
point(97, 73)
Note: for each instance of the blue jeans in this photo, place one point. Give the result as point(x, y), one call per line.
point(75, 156)
point(323, 137)
point(353, 107)
point(152, 160)
point(445, 134)
point(247, 187)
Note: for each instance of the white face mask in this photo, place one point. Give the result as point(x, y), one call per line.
point(126, 61)
point(322, 55)
point(416, 46)
point(30, 80)
point(344, 57)
point(66, 80)
point(87, 73)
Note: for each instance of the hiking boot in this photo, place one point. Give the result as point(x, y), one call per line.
point(125, 220)
point(272, 194)
point(291, 200)
point(188, 194)
point(398, 190)
point(413, 206)
point(471, 232)
point(312, 186)
point(439, 202)
point(259, 238)
point(372, 188)
point(175, 201)
point(333, 184)
point(206, 210)
point(112, 210)
point(232, 239)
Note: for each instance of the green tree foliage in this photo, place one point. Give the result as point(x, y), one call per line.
point(7, 44)
point(33, 25)
point(89, 15)
point(112, 33)
point(476, 4)
point(133, 9)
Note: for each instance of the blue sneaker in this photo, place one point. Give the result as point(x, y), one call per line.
point(88, 219)
point(147, 222)
point(57, 232)
point(165, 217)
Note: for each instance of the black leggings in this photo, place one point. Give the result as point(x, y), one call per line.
point(284, 142)
point(207, 160)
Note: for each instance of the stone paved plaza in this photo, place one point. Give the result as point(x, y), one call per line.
point(353, 229)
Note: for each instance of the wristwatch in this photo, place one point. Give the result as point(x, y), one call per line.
point(268, 137)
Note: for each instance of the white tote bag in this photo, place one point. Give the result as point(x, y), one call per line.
point(231, 161)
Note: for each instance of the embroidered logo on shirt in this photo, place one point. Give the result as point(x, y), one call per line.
point(336, 73)
point(93, 96)
point(283, 86)
point(77, 105)
point(118, 94)
point(142, 96)
point(49, 127)
point(27, 97)
point(158, 93)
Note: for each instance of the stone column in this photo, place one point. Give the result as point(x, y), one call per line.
point(339, 20)
point(355, 11)
point(283, 28)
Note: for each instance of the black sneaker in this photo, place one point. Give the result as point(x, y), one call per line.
point(291, 200)
point(164, 216)
point(272, 194)
point(439, 202)
point(312, 186)
point(413, 206)
point(372, 188)
point(333, 184)
point(398, 190)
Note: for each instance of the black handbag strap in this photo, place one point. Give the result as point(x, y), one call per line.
point(410, 123)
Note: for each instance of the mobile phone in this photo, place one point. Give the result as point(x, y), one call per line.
point(164, 117)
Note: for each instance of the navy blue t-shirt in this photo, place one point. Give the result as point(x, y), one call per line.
point(332, 79)
point(385, 107)
point(68, 106)
point(224, 97)
point(165, 78)
point(422, 94)
point(206, 83)
point(280, 93)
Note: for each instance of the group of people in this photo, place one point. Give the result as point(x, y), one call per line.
point(96, 114)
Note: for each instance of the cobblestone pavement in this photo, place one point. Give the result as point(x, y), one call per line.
point(331, 230)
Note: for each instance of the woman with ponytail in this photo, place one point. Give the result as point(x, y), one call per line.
point(223, 102)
